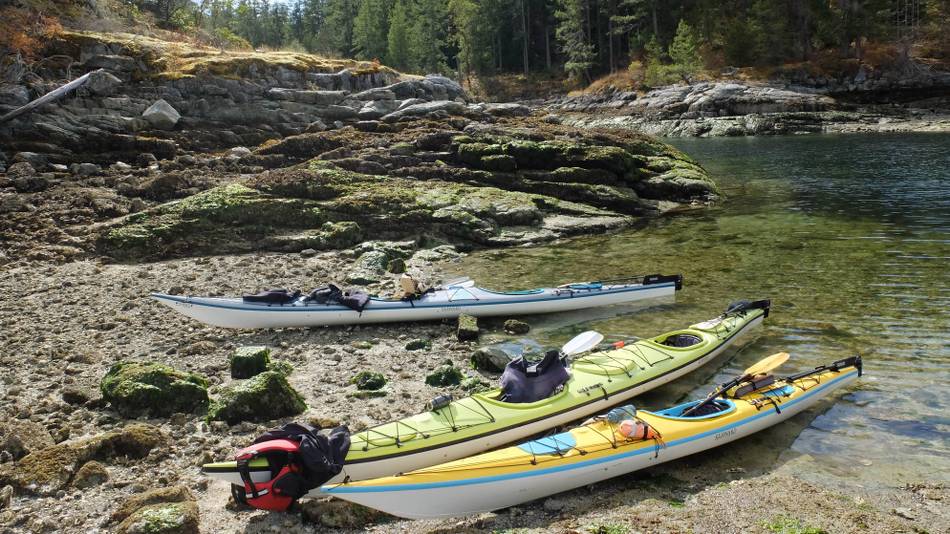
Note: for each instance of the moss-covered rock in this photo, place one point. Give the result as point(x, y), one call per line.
point(368, 380)
point(516, 327)
point(419, 344)
point(444, 376)
point(468, 328)
point(153, 389)
point(146, 498)
point(339, 514)
point(51, 469)
point(249, 361)
point(90, 474)
point(162, 518)
point(474, 384)
point(265, 397)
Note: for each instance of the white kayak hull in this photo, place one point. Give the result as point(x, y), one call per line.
point(401, 464)
point(442, 304)
point(477, 495)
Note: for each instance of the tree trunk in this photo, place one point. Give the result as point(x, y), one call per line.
point(525, 15)
point(656, 26)
point(610, 35)
point(547, 44)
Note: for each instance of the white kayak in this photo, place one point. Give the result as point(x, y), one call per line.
point(442, 303)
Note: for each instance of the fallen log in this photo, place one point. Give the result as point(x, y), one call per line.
point(55, 94)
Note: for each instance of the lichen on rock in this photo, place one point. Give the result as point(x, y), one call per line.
point(153, 389)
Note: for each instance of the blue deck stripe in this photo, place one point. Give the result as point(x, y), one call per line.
point(612, 458)
point(280, 308)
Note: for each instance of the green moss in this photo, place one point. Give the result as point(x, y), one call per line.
point(468, 328)
point(368, 380)
point(50, 469)
point(445, 375)
point(139, 388)
point(419, 344)
point(281, 367)
point(498, 162)
point(162, 518)
point(789, 525)
point(473, 384)
point(473, 153)
point(249, 361)
point(265, 397)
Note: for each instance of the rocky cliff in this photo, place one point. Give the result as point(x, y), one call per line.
point(172, 151)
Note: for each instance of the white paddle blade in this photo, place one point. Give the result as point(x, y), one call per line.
point(582, 342)
point(460, 282)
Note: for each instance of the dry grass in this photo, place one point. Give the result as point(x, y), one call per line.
point(172, 60)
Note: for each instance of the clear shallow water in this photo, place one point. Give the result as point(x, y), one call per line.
point(850, 237)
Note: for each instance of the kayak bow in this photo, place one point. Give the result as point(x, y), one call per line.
point(590, 453)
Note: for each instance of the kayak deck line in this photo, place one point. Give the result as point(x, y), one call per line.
point(647, 449)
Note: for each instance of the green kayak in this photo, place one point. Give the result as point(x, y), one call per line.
point(471, 425)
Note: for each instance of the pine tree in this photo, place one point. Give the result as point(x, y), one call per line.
point(337, 30)
point(371, 29)
point(573, 38)
point(430, 19)
point(397, 50)
point(684, 51)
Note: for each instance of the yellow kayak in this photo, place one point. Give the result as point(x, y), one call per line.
point(597, 450)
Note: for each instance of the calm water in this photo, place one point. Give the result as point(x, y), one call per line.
point(850, 237)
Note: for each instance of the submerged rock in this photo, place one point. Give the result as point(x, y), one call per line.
point(249, 361)
point(492, 359)
point(265, 397)
point(153, 389)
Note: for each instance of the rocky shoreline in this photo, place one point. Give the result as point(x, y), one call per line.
point(875, 101)
point(197, 172)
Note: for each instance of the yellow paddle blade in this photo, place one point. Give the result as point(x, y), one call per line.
point(767, 364)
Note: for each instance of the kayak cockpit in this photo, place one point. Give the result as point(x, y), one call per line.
point(716, 408)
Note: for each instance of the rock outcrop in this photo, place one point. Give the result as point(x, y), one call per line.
point(792, 102)
point(265, 397)
point(153, 389)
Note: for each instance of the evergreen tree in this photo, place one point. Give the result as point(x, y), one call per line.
point(337, 31)
point(429, 20)
point(398, 51)
point(371, 29)
point(573, 38)
point(684, 52)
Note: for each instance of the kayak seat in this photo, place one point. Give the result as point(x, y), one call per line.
point(524, 381)
point(681, 341)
